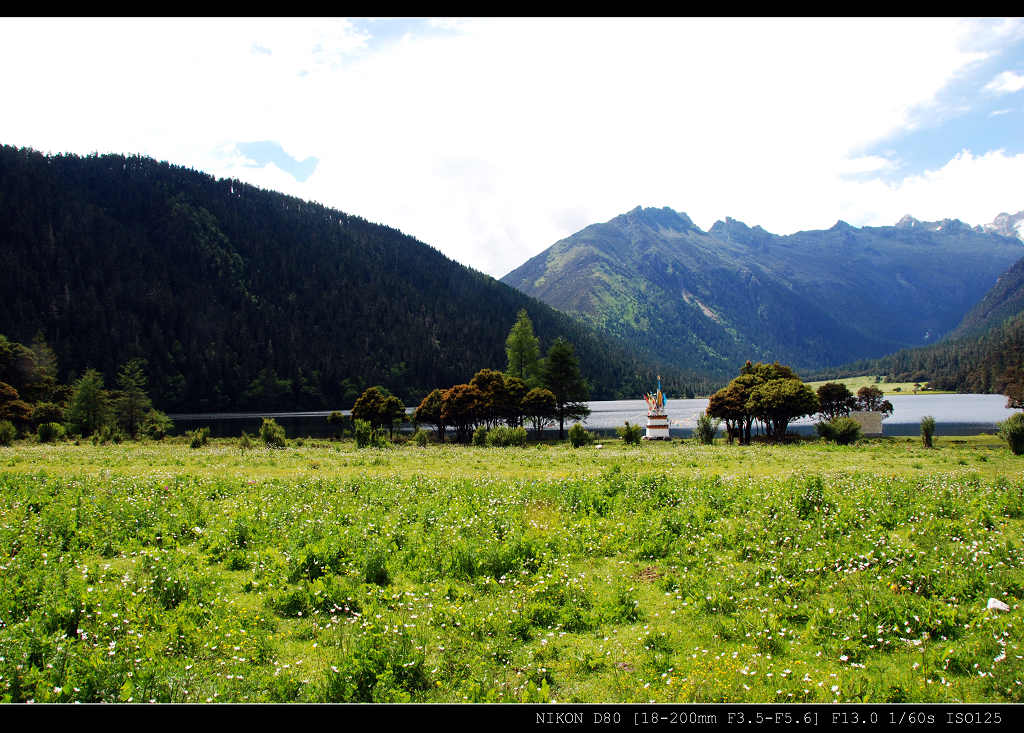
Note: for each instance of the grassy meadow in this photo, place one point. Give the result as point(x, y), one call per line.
point(665, 572)
point(888, 388)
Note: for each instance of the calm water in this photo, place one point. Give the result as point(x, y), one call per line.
point(955, 414)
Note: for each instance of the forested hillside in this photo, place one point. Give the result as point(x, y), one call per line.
point(1003, 301)
point(985, 353)
point(241, 298)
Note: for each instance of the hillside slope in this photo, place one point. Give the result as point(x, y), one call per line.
point(241, 298)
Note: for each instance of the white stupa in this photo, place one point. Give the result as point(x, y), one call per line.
point(657, 415)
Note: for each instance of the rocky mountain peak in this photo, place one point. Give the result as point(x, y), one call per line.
point(1007, 225)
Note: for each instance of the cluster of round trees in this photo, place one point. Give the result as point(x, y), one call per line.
point(493, 398)
point(490, 398)
point(773, 396)
point(541, 391)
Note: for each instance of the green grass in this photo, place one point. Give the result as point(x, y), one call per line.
point(889, 388)
point(667, 572)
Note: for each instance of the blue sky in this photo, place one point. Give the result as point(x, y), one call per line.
point(967, 115)
point(490, 139)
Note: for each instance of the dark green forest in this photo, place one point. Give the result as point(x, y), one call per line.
point(242, 298)
point(983, 354)
point(985, 362)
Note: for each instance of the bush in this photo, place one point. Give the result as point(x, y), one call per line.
point(841, 431)
point(1012, 431)
point(810, 498)
point(48, 432)
point(47, 412)
point(706, 429)
point(198, 437)
point(421, 438)
point(156, 425)
point(340, 420)
point(7, 432)
point(630, 434)
point(271, 433)
point(244, 443)
point(927, 430)
point(108, 434)
point(378, 665)
point(503, 435)
point(579, 436)
point(366, 436)
point(480, 436)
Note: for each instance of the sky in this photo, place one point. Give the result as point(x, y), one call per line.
point(491, 139)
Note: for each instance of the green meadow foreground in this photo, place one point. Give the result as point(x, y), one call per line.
point(666, 572)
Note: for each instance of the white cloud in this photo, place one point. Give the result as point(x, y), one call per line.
point(998, 112)
point(972, 188)
point(494, 141)
point(864, 164)
point(1006, 82)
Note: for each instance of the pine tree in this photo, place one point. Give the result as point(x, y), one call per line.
point(90, 407)
point(523, 350)
point(132, 403)
point(561, 375)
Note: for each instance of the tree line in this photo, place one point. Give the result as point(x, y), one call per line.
point(33, 400)
point(541, 391)
point(770, 396)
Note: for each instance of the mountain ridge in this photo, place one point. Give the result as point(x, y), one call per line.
point(705, 300)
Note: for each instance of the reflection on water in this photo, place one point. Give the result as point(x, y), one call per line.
point(955, 414)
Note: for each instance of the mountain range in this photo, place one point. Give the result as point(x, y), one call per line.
point(241, 298)
point(709, 300)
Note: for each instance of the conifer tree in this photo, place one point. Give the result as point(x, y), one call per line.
point(523, 350)
point(561, 375)
point(90, 405)
point(132, 403)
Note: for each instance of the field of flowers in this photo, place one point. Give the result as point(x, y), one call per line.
point(320, 572)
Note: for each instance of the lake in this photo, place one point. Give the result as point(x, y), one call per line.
point(955, 414)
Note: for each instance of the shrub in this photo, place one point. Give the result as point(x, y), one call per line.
point(244, 443)
point(1012, 431)
point(7, 432)
point(48, 432)
point(378, 665)
point(579, 436)
point(271, 433)
point(810, 498)
point(706, 429)
point(108, 434)
point(366, 436)
point(156, 425)
point(480, 436)
point(841, 431)
point(198, 437)
point(421, 438)
point(340, 420)
point(47, 412)
point(927, 430)
point(375, 566)
point(630, 434)
point(504, 435)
